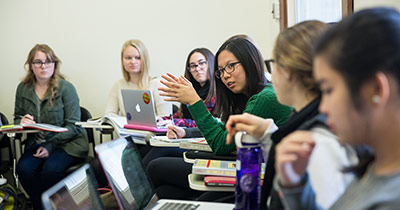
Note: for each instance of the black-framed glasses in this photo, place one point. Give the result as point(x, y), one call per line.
point(193, 67)
point(229, 69)
point(39, 64)
point(268, 63)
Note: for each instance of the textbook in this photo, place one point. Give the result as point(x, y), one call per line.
point(164, 141)
point(38, 126)
point(138, 134)
point(164, 138)
point(200, 144)
point(222, 181)
point(214, 167)
point(116, 121)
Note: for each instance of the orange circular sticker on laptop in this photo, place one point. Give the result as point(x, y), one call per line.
point(146, 98)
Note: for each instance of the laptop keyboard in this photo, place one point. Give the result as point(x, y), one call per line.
point(176, 206)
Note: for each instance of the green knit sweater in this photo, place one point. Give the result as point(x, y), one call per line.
point(263, 104)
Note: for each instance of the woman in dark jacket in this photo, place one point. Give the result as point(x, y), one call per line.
point(45, 97)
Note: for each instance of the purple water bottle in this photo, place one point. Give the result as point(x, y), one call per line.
point(248, 172)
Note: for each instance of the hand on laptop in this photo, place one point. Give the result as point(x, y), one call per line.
point(175, 132)
point(178, 89)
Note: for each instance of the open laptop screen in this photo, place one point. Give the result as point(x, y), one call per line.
point(124, 169)
point(77, 191)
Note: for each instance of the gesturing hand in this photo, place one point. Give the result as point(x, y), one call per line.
point(178, 89)
point(292, 156)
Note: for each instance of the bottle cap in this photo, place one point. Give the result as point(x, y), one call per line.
point(243, 137)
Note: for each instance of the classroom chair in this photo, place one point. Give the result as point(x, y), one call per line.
point(5, 143)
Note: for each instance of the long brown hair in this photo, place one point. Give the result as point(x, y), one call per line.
point(30, 78)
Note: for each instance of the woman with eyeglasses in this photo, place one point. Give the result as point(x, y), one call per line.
point(241, 86)
point(291, 70)
point(44, 96)
point(199, 73)
point(357, 67)
point(135, 67)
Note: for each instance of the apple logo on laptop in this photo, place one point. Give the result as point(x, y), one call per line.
point(138, 108)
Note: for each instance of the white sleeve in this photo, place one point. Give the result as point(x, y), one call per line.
point(266, 142)
point(325, 167)
point(163, 108)
point(112, 106)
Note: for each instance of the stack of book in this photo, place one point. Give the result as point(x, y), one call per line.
point(216, 172)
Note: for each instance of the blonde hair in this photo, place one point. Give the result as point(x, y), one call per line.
point(30, 78)
point(293, 51)
point(144, 64)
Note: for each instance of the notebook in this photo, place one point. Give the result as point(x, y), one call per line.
point(140, 111)
point(131, 185)
point(77, 191)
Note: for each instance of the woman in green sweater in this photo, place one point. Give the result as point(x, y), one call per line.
point(241, 86)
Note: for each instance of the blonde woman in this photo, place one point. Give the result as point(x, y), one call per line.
point(135, 69)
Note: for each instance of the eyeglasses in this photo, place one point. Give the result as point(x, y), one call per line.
point(229, 69)
point(193, 67)
point(39, 64)
point(268, 64)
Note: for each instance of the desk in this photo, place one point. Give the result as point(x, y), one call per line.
point(11, 135)
point(196, 182)
point(102, 128)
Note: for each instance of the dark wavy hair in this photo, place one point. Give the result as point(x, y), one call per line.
point(360, 46)
point(249, 56)
point(210, 59)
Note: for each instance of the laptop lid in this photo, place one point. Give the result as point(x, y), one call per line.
point(77, 191)
point(130, 182)
point(126, 174)
point(139, 107)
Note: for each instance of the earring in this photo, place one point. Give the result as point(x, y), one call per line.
point(376, 99)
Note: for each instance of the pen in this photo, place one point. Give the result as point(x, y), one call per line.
point(172, 120)
point(18, 115)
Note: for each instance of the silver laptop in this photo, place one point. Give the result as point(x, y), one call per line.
point(132, 186)
point(77, 191)
point(140, 111)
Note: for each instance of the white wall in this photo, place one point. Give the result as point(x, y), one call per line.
point(361, 4)
point(87, 36)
